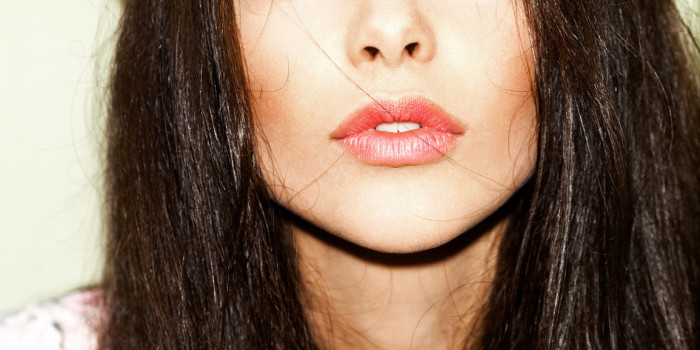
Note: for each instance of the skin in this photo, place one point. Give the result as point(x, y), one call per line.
point(377, 244)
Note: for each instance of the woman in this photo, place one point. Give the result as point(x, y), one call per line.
point(402, 174)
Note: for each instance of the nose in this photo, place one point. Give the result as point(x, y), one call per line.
point(389, 32)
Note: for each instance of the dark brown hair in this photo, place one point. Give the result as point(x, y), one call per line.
point(600, 252)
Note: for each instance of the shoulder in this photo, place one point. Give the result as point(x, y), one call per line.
point(66, 323)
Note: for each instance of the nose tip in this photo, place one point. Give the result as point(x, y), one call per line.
point(390, 33)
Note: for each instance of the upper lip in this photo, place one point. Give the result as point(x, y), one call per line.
point(412, 109)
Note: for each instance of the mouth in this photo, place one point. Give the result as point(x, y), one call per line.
point(409, 131)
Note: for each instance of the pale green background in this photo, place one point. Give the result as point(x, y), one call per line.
point(49, 144)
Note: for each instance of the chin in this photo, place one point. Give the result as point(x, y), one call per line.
point(399, 211)
point(404, 239)
point(401, 227)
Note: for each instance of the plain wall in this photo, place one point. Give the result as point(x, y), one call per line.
point(50, 131)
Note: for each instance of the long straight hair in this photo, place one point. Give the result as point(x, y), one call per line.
point(602, 254)
point(600, 251)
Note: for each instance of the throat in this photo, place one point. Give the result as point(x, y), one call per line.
point(366, 301)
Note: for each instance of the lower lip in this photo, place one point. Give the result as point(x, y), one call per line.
point(398, 149)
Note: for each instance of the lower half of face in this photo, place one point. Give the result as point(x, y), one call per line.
point(333, 81)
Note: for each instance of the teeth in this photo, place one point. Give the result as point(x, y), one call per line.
point(397, 127)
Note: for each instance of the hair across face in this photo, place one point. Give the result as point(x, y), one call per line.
point(316, 67)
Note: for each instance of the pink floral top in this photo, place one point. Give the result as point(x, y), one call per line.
point(67, 323)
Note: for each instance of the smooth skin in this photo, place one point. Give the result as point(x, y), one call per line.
point(310, 65)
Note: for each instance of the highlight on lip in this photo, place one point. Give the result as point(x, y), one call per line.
point(409, 131)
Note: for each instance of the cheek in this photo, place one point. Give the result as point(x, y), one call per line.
point(286, 110)
point(498, 98)
point(505, 126)
point(508, 144)
point(510, 71)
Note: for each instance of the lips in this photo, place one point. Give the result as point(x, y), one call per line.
point(409, 131)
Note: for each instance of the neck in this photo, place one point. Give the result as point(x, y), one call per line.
point(362, 299)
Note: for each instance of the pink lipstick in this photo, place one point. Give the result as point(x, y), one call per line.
point(409, 131)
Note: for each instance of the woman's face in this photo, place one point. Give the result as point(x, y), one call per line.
point(333, 80)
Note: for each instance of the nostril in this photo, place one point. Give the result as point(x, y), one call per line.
point(410, 48)
point(372, 51)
